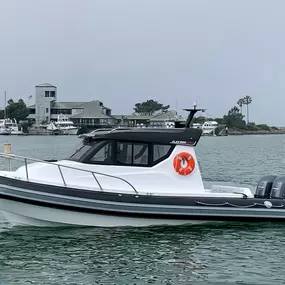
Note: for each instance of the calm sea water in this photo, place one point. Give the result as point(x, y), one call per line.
point(226, 253)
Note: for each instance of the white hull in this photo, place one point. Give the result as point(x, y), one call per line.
point(72, 131)
point(4, 132)
point(21, 214)
point(16, 133)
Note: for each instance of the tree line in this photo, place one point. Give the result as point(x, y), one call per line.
point(15, 110)
point(234, 119)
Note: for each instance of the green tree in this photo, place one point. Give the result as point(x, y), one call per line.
point(199, 120)
point(234, 119)
point(220, 121)
point(17, 110)
point(263, 127)
point(246, 101)
point(240, 103)
point(150, 107)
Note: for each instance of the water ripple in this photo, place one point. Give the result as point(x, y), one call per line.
point(225, 253)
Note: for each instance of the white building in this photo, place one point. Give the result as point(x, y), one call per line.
point(45, 95)
point(46, 108)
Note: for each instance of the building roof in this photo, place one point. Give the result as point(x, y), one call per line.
point(91, 110)
point(169, 115)
point(72, 105)
point(67, 105)
point(45, 85)
point(132, 117)
point(62, 105)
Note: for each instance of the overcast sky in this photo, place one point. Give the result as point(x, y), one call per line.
point(123, 52)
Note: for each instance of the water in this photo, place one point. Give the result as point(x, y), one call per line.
point(226, 253)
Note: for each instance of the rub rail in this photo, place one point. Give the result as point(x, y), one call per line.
point(60, 166)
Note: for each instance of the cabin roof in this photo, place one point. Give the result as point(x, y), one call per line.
point(189, 136)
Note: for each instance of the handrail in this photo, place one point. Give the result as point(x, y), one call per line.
point(120, 129)
point(26, 159)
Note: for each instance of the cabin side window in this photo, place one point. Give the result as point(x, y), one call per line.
point(161, 152)
point(103, 153)
point(132, 154)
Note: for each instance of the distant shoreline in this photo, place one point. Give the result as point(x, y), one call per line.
point(240, 133)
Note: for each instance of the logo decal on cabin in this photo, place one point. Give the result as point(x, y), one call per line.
point(184, 163)
point(178, 142)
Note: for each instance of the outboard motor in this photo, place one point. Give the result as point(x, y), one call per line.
point(278, 188)
point(264, 186)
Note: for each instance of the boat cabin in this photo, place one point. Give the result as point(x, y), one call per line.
point(133, 147)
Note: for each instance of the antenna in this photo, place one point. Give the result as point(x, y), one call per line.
point(192, 113)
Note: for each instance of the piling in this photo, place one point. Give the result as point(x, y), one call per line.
point(7, 154)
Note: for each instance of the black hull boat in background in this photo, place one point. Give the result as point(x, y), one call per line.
point(131, 177)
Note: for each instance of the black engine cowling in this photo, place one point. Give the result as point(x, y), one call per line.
point(278, 188)
point(264, 186)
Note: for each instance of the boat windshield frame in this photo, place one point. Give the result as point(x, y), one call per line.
point(122, 152)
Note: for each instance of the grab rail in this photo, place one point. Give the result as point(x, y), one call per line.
point(59, 166)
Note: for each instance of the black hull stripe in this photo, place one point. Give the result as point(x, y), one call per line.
point(143, 215)
point(137, 199)
point(108, 206)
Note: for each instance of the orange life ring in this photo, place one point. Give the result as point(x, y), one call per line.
point(184, 163)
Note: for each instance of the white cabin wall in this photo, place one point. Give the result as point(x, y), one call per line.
point(161, 178)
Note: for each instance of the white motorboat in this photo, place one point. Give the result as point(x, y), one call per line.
point(131, 177)
point(66, 126)
point(5, 131)
point(197, 126)
point(207, 127)
point(12, 125)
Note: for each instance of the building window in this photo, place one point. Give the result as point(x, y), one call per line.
point(61, 111)
point(49, 93)
point(47, 110)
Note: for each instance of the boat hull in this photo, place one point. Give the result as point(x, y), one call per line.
point(23, 214)
point(5, 132)
point(72, 131)
point(29, 203)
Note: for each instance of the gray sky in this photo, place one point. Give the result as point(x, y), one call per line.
point(126, 51)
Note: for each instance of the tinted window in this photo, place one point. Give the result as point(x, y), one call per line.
point(103, 153)
point(80, 151)
point(124, 153)
point(140, 154)
point(160, 151)
point(132, 153)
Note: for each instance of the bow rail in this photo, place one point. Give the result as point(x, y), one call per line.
point(25, 159)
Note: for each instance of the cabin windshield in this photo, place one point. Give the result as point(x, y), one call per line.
point(125, 153)
point(80, 149)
